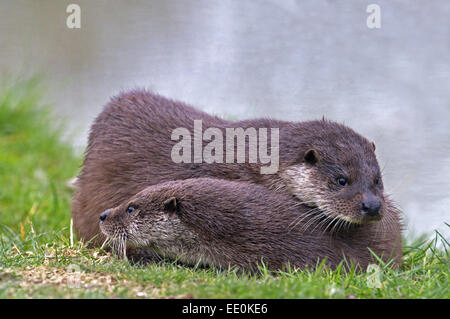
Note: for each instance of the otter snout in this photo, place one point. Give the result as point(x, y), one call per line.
point(104, 215)
point(371, 207)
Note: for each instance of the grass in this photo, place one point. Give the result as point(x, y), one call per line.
point(38, 260)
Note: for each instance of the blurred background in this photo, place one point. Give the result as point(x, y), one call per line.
point(287, 59)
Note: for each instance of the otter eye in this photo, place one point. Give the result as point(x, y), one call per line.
point(342, 181)
point(130, 209)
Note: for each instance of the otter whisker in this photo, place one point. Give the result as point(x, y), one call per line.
point(124, 244)
point(322, 222)
point(337, 225)
point(312, 221)
point(326, 223)
point(324, 207)
point(348, 225)
point(336, 222)
point(106, 242)
point(312, 214)
point(299, 219)
point(333, 219)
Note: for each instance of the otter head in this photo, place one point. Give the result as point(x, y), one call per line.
point(337, 173)
point(147, 219)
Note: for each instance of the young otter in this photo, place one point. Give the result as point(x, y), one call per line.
point(226, 223)
point(324, 164)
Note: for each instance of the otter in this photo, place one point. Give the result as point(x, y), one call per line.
point(215, 222)
point(322, 164)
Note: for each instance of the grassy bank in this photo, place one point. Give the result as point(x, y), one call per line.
point(38, 260)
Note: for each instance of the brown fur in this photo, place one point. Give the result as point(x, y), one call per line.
point(225, 223)
point(130, 147)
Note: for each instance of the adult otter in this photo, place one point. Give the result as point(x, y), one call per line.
point(225, 223)
point(324, 164)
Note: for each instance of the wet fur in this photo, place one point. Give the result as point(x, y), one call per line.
point(129, 149)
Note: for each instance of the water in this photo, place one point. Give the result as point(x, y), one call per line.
point(292, 60)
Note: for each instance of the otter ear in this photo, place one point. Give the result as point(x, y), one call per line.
point(171, 205)
point(373, 146)
point(311, 156)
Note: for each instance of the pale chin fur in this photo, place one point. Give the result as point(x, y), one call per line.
point(301, 182)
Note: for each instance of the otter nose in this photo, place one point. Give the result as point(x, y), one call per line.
point(371, 207)
point(104, 215)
